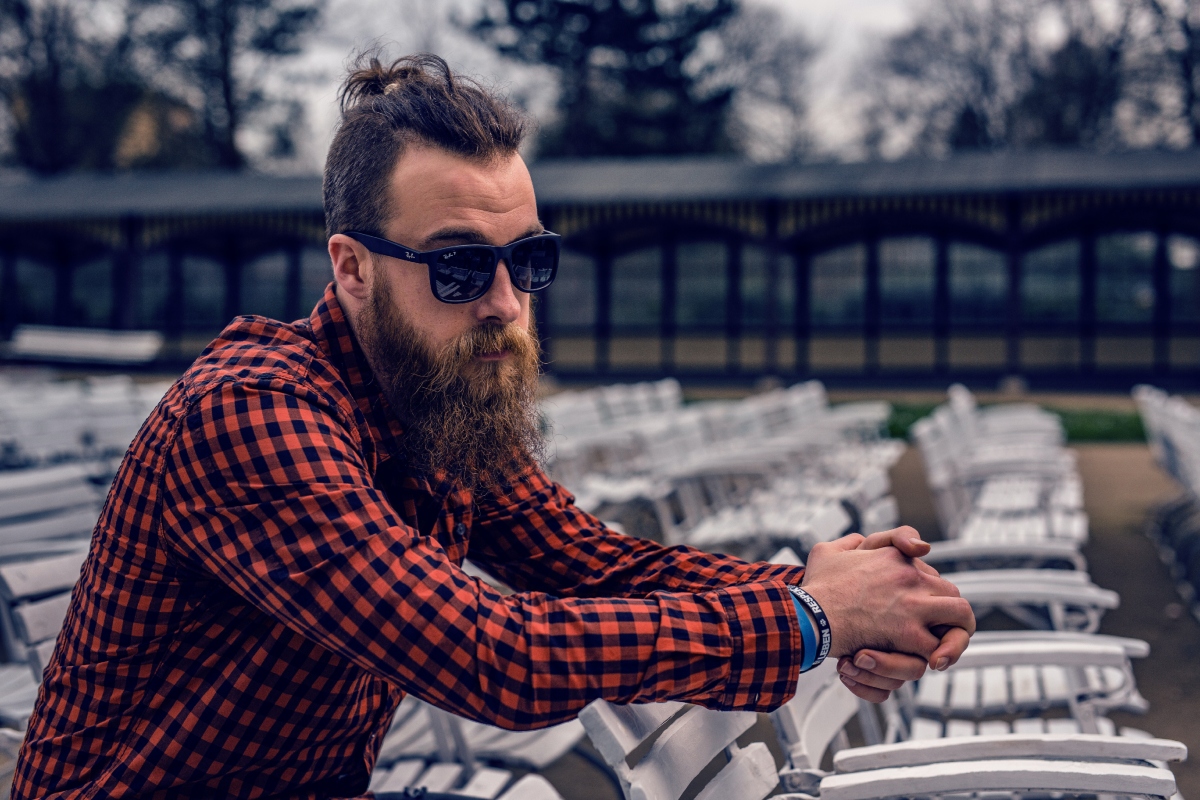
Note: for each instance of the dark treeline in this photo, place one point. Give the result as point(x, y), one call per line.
point(101, 84)
point(118, 84)
point(987, 74)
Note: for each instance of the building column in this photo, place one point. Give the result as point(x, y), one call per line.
point(771, 340)
point(668, 327)
point(802, 321)
point(63, 277)
point(941, 306)
point(126, 275)
point(872, 308)
point(292, 289)
point(733, 304)
point(603, 309)
point(1087, 302)
point(11, 289)
point(1162, 306)
point(175, 300)
point(232, 262)
point(1012, 310)
point(1087, 268)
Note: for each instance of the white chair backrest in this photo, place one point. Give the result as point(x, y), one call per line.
point(688, 739)
point(809, 722)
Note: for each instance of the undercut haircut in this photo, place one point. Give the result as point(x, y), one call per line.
point(416, 99)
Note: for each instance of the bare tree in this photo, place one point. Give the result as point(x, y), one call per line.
point(212, 52)
point(974, 74)
point(64, 89)
point(1177, 31)
point(764, 61)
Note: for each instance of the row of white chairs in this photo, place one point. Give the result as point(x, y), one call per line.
point(1173, 432)
point(1000, 474)
point(1058, 682)
point(733, 476)
point(781, 467)
point(953, 736)
point(45, 421)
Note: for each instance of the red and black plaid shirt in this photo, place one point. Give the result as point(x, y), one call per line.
point(266, 582)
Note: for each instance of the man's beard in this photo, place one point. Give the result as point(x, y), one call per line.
point(476, 421)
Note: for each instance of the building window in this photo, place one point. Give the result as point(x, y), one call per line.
point(152, 289)
point(838, 284)
point(906, 270)
point(571, 299)
point(36, 284)
point(1050, 283)
point(1125, 277)
point(700, 286)
point(756, 288)
point(315, 274)
point(203, 294)
point(1183, 253)
point(264, 286)
point(92, 294)
point(978, 285)
point(637, 289)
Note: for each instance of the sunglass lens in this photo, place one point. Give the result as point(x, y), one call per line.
point(534, 264)
point(464, 274)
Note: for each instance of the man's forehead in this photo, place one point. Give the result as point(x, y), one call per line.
point(436, 191)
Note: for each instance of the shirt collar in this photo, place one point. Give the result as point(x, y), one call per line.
point(333, 334)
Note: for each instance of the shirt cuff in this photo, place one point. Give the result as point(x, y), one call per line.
point(765, 664)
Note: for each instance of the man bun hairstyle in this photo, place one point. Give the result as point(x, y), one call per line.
point(414, 100)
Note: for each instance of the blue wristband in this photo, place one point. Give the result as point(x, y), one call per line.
point(808, 636)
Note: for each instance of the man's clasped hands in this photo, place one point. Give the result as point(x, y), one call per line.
point(890, 614)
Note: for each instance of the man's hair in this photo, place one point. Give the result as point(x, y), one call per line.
point(414, 100)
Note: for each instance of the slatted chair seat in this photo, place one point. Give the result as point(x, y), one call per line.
point(1024, 675)
point(958, 556)
point(1027, 758)
point(1049, 599)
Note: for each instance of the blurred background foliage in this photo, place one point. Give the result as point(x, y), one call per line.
point(152, 84)
point(1081, 424)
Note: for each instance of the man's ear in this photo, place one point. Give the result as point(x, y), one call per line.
point(351, 265)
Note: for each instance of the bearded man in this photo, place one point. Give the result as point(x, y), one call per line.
point(279, 560)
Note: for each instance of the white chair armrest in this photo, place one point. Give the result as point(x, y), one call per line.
point(1001, 775)
point(1075, 746)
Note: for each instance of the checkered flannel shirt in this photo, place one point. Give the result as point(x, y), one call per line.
point(266, 582)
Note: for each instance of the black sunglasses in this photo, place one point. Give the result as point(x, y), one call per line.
point(464, 273)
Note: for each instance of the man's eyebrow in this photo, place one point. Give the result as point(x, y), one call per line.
point(452, 236)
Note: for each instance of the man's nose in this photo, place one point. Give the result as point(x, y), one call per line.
point(500, 304)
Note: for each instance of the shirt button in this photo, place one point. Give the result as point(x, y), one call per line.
point(460, 529)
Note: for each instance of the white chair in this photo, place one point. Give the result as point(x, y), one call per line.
point(1014, 764)
point(688, 739)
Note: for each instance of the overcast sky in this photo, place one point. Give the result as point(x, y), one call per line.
point(845, 30)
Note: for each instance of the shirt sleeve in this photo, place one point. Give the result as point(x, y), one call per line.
point(534, 537)
point(266, 490)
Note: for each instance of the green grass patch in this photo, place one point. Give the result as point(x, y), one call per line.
point(1082, 425)
point(1101, 426)
point(904, 415)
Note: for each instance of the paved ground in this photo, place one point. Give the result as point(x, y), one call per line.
point(1121, 484)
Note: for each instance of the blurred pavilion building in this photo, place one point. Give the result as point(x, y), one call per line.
point(1066, 268)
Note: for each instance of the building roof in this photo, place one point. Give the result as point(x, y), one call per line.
point(95, 196)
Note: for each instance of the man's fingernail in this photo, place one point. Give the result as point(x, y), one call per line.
point(942, 664)
point(849, 669)
point(865, 662)
point(848, 681)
